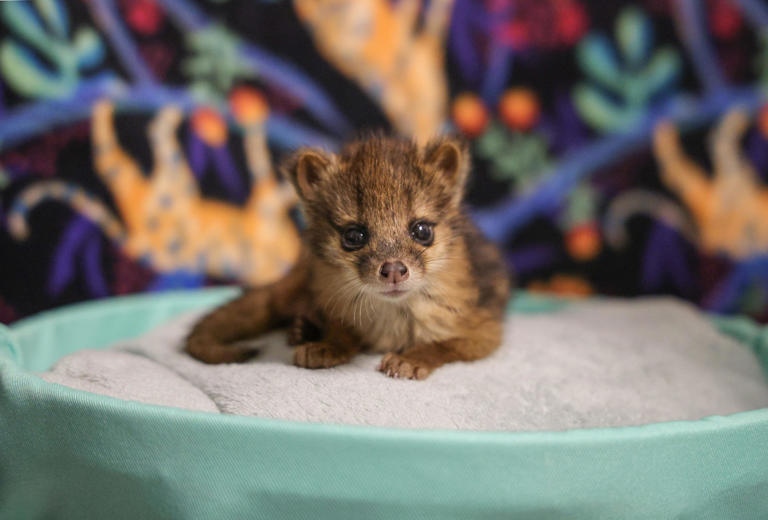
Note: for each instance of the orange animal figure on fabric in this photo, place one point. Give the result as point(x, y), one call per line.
point(165, 222)
point(730, 208)
point(375, 42)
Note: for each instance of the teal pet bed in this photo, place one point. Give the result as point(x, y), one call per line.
point(66, 453)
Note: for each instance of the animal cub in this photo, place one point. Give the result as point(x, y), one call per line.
point(390, 263)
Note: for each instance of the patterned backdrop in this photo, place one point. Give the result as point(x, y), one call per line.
point(619, 147)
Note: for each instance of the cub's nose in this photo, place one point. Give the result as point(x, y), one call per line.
point(394, 272)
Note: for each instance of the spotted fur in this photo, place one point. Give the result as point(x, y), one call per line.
point(165, 222)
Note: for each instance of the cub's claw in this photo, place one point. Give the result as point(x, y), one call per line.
point(397, 366)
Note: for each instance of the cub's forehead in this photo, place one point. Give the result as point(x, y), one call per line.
point(380, 158)
point(362, 196)
point(378, 178)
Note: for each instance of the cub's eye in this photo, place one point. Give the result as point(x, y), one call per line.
point(353, 238)
point(422, 232)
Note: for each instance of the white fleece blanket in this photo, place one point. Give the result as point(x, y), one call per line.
point(593, 364)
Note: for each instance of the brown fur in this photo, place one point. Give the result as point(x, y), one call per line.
point(454, 297)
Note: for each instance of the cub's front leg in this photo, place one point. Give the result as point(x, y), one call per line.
point(336, 347)
point(215, 337)
point(419, 361)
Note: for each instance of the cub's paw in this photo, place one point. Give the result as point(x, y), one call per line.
point(319, 355)
point(395, 365)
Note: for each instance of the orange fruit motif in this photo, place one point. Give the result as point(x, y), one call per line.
point(519, 108)
point(210, 126)
point(583, 242)
point(469, 114)
point(248, 105)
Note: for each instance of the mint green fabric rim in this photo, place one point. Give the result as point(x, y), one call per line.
point(72, 454)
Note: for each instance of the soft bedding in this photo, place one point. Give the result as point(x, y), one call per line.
point(598, 363)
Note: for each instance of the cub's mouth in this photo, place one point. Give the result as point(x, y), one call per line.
point(394, 293)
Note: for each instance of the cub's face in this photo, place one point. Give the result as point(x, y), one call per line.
point(383, 211)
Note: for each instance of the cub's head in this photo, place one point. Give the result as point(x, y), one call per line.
point(384, 212)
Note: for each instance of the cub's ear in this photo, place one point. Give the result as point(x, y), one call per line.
point(306, 168)
point(449, 160)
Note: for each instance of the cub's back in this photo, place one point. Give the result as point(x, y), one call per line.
point(488, 268)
